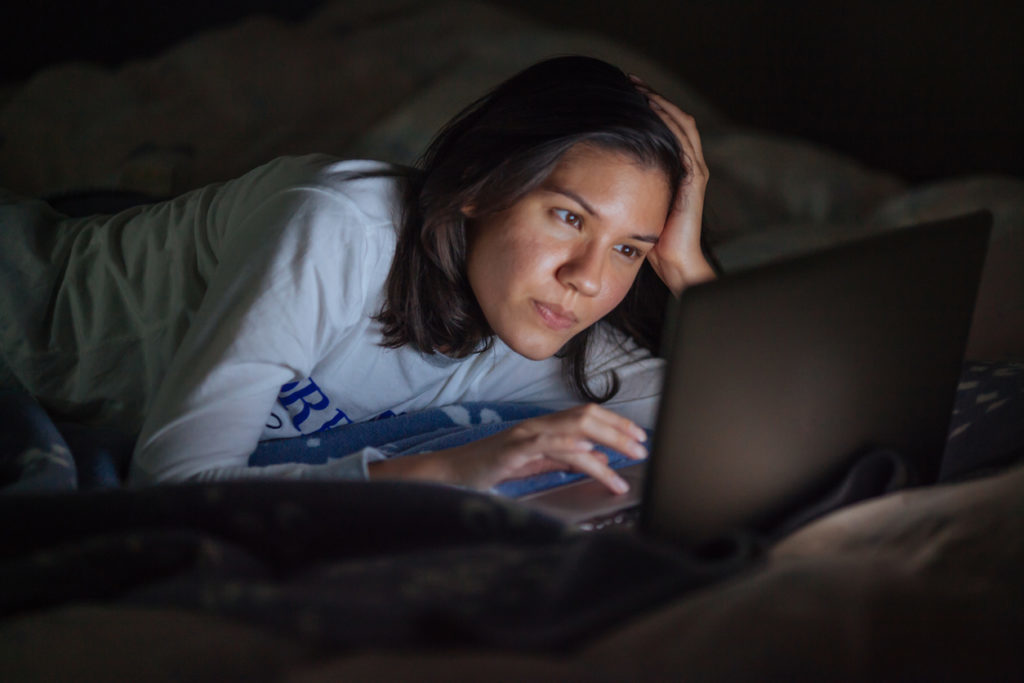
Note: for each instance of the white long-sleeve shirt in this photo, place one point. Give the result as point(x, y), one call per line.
point(249, 312)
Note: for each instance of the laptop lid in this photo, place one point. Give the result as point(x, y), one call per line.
point(780, 376)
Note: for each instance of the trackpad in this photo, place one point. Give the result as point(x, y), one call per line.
point(586, 498)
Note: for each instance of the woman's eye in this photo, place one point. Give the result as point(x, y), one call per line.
point(629, 251)
point(569, 217)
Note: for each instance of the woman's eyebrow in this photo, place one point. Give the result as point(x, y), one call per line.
point(557, 189)
point(653, 239)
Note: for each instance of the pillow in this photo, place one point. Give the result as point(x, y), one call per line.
point(997, 331)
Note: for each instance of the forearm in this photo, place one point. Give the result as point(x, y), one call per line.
point(433, 466)
point(354, 466)
point(691, 269)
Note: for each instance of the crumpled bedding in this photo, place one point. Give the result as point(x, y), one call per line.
point(377, 80)
point(360, 80)
point(355, 80)
point(923, 584)
point(920, 584)
point(836, 589)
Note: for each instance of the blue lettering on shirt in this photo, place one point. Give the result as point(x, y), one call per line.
point(310, 408)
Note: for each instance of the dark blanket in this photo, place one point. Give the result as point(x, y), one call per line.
point(347, 563)
point(386, 563)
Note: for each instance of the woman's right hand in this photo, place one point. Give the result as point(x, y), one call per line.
point(564, 440)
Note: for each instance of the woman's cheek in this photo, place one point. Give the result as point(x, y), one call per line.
point(614, 294)
point(624, 283)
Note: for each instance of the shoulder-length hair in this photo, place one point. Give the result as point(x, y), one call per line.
point(489, 156)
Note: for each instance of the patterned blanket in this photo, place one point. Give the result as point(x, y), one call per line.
point(36, 454)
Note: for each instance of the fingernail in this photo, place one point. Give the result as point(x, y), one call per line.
point(640, 452)
point(586, 445)
point(640, 432)
point(620, 485)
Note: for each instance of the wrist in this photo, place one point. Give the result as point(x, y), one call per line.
point(690, 268)
point(421, 466)
point(698, 269)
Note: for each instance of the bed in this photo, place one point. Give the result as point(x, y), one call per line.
point(273, 580)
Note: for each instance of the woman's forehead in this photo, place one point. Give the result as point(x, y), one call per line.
point(586, 156)
point(597, 178)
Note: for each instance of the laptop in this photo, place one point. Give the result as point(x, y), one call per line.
point(779, 377)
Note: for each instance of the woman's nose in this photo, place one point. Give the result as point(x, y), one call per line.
point(582, 271)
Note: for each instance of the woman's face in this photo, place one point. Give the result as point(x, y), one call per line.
point(565, 255)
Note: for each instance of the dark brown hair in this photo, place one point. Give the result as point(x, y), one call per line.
point(489, 156)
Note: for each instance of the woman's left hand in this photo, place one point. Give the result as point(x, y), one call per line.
point(677, 257)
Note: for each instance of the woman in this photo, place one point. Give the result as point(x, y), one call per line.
point(311, 293)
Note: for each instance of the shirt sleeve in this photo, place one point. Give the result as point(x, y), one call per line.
point(351, 466)
point(289, 282)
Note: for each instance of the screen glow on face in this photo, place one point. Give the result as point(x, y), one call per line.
point(565, 254)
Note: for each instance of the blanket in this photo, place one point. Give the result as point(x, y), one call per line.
point(389, 563)
point(340, 563)
point(344, 563)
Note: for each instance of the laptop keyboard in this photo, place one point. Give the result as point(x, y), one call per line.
point(622, 519)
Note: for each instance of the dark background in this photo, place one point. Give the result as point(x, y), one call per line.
point(925, 89)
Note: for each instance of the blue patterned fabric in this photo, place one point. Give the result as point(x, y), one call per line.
point(33, 454)
point(987, 427)
point(986, 431)
point(434, 429)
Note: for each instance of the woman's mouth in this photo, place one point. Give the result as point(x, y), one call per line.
point(554, 316)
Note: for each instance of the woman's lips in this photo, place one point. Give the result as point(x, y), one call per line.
point(554, 316)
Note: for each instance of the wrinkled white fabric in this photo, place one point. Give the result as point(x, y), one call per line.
point(244, 311)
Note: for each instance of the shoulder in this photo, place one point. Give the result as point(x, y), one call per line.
point(354, 179)
point(371, 189)
point(315, 200)
point(348, 177)
point(313, 231)
point(612, 349)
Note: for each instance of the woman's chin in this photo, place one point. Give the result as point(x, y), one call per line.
point(536, 354)
point(536, 348)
